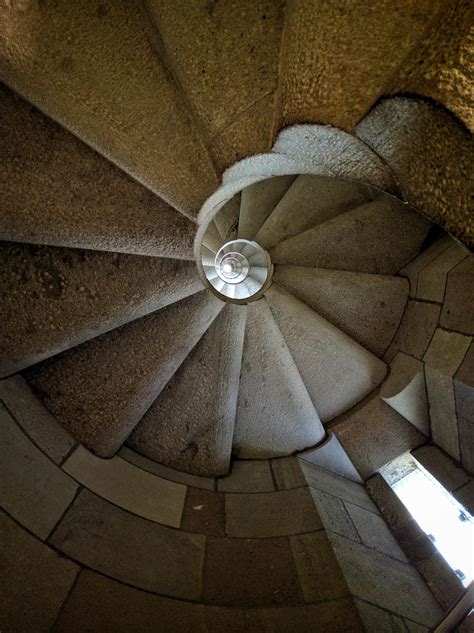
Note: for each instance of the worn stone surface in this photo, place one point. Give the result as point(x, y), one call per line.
point(415, 331)
point(271, 514)
point(377, 620)
point(458, 306)
point(212, 238)
point(375, 434)
point(119, 544)
point(204, 512)
point(465, 496)
point(97, 80)
point(432, 279)
point(403, 131)
point(287, 473)
point(366, 307)
point(32, 489)
point(129, 487)
point(378, 237)
point(275, 415)
point(258, 201)
point(416, 266)
point(310, 201)
point(466, 443)
point(248, 476)
point(331, 456)
point(228, 218)
point(57, 190)
point(35, 420)
point(441, 466)
point(57, 298)
point(394, 512)
point(250, 572)
point(100, 390)
point(190, 425)
point(327, 359)
point(34, 580)
point(334, 515)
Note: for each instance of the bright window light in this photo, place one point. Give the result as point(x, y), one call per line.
point(447, 523)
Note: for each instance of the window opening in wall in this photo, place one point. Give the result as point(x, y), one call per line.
point(449, 526)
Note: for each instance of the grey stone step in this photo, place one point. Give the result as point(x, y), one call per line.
point(56, 190)
point(258, 201)
point(311, 200)
point(366, 307)
point(191, 424)
point(56, 298)
point(378, 237)
point(275, 415)
point(336, 370)
point(228, 218)
point(212, 238)
point(101, 389)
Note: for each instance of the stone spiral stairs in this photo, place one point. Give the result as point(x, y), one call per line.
point(193, 126)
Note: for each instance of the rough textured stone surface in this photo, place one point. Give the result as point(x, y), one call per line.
point(375, 434)
point(441, 467)
point(248, 476)
point(466, 443)
point(250, 572)
point(415, 331)
point(212, 238)
point(287, 473)
point(378, 237)
point(334, 514)
point(95, 81)
point(57, 190)
point(407, 131)
point(35, 420)
point(129, 487)
point(204, 512)
point(258, 202)
point(326, 358)
point(405, 391)
point(366, 307)
point(458, 306)
point(426, 257)
point(311, 200)
point(394, 512)
point(271, 514)
point(190, 425)
point(32, 489)
point(337, 60)
point(377, 620)
point(100, 390)
point(56, 298)
point(228, 218)
point(275, 415)
point(331, 456)
point(432, 279)
point(119, 544)
point(34, 581)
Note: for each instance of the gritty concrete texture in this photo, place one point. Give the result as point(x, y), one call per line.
point(227, 219)
point(374, 434)
point(259, 201)
point(334, 515)
point(275, 415)
point(426, 257)
point(376, 620)
point(248, 476)
point(407, 131)
point(35, 420)
point(204, 512)
point(226, 58)
point(100, 390)
point(144, 554)
point(432, 279)
point(57, 298)
point(441, 467)
point(57, 190)
point(337, 60)
point(393, 510)
point(458, 307)
point(250, 572)
point(379, 237)
point(287, 473)
point(190, 425)
point(129, 487)
point(32, 489)
point(415, 331)
point(405, 391)
point(331, 456)
point(398, 468)
point(310, 201)
point(319, 572)
point(97, 80)
point(262, 515)
point(34, 581)
point(447, 351)
point(326, 357)
point(366, 307)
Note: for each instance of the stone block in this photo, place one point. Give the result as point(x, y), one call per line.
point(334, 515)
point(444, 422)
point(447, 351)
point(392, 509)
point(458, 305)
point(247, 476)
point(287, 473)
point(415, 331)
point(378, 620)
point(413, 268)
point(204, 512)
point(432, 279)
point(466, 443)
point(465, 496)
point(464, 386)
point(441, 467)
point(331, 456)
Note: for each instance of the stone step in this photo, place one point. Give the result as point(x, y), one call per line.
point(310, 201)
point(101, 389)
point(275, 415)
point(366, 307)
point(336, 370)
point(190, 425)
point(106, 83)
point(377, 237)
point(212, 238)
point(258, 201)
point(227, 219)
point(56, 298)
point(56, 190)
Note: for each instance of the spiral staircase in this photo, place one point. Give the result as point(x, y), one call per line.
point(236, 283)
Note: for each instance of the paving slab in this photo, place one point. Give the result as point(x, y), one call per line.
point(248, 476)
point(204, 512)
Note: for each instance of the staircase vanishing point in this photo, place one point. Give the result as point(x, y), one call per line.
point(236, 283)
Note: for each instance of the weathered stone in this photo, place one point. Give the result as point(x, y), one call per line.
point(331, 456)
point(248, 476)
point(441, 467)
point(432, 279)
point(458, 306)
point(465, 496)
point(416, 330)
point(393, 510)
point(287, 473)
point(271, 514)
point(413, 268)
point(466, 443)
point(366, 307)
point(398, 468)
point(204, 512)
point(228, 218)
point(334, 515)
point(377, 620)
point(212, 238)
point(119, 544)
point(129, 487)
point(34, 581)
point(464, 386)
